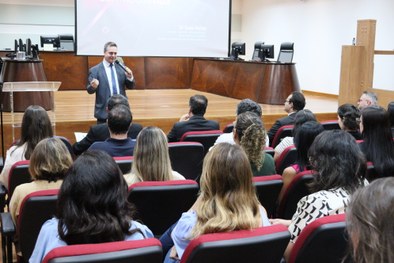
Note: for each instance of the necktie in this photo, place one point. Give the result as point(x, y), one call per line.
point(114, 89)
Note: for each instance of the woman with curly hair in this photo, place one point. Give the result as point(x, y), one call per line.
point(369, 222)
point(92, 207)
point(250, 134)
point(227, 200)
point(349, 119)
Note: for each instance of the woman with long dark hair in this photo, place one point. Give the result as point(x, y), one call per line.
point(92, 207)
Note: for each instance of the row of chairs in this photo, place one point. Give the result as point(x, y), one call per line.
point(159, 205)
point(324, 240)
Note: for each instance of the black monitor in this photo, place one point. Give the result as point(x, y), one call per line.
point(267, 51)
point(50, 40)
point(237, 48)
point(257, 53)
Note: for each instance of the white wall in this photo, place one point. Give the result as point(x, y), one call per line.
point(319, 28)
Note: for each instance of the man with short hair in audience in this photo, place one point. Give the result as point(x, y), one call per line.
point(194, 120)
point(294, 102)
point(100, 132)
point(118, 144)
point(244, 106)
point(367, 99)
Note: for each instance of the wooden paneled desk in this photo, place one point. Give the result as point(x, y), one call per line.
point(268, 83)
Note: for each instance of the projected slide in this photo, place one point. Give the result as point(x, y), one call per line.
point(176, 28)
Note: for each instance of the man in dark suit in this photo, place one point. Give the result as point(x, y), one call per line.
point(100, 132)
point(194, 120)
point(107, 79)
point(294, 102)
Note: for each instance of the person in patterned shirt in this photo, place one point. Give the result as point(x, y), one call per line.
point(340, 170)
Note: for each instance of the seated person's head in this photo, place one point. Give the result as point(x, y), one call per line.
point(198, 104)
point(304, 136)
point(119, 119)
point(228, 197)
point(296, 101)
point(50, 160)
point(117, 99)
point(249, 132)
point(301, 117)
point(369, 221)
point(151, 158)
point(249, 105)
point(93, 206)
point(36, 126)
point(367, 99)
point(338, 160)
point(375, 123)
point(390, 110)
point(348, 117)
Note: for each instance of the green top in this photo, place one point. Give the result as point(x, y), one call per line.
point(268, 167)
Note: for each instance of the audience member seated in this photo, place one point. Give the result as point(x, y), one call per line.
point(92, 207)
point(349, 119)
point(294, 102)
point(370, 222)
point(390, 110)
point(300, 118)
point(249, 132)
point(367, 99)
point(151, 158)
point(227, 201)
point(304, 137)
point(378, 145)
point(244, 106)
point(340, 167)
point(100, 132)
point(119, 121)
point(49, 163)
point(194, 120)
point(36, 126)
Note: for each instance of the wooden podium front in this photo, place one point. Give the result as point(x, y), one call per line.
point(268, 83)
point(24, 70)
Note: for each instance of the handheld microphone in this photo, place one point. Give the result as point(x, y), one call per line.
point(121, 65)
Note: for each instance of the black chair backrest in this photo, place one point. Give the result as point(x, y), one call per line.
point(282, 132)
point(136, 251)
point(161, 204)
point(125, 163)
point(324, 240)
point(186, 158)
point(330, 125)
point(286, 52)
point(267, 190)
point(297, 189)
point(265, 244)
point(206, 138)
point(229, 128)
point(36, 208)
point(286, 158)
point(19, 174)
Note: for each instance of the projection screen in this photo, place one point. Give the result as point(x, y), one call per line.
point(169, 28)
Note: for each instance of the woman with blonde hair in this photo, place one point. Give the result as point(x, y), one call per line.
point(49, 163)
point(151, 158)
point(250, 134)
point(36, 126)
point(227, 200)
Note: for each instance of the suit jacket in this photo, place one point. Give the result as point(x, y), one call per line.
point(99, 133)
point(103, 92)
point(288, 120)
point(195, 123)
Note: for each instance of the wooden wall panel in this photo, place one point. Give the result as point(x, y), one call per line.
point(65, 67)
